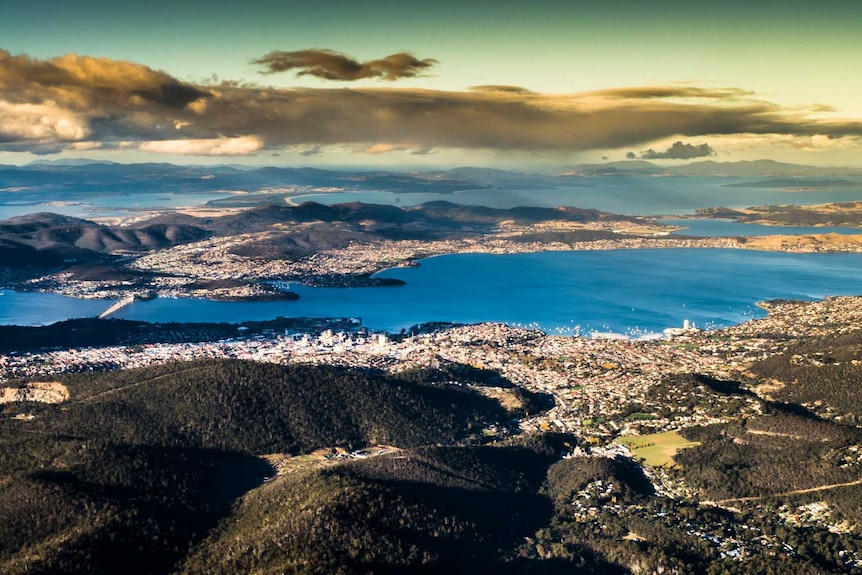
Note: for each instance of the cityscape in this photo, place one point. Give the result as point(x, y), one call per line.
point(353, 288)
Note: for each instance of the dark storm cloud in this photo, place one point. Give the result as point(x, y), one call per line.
point(679, 151)
point(500, 88)
point(656, 92)
point(78, 101)
point(506, 120)
point(330, 65)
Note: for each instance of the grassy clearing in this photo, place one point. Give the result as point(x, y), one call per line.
point(657, 449)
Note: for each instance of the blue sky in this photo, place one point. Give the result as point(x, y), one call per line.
point(802, 58)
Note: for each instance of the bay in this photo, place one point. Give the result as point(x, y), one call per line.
point(632, 292)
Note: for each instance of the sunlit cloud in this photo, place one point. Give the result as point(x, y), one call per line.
point(50, 104)
point(241, 146)
point(815, 143)
point(80, 82)
point(40, 123)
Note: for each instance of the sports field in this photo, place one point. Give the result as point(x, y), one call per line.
point(657, 449)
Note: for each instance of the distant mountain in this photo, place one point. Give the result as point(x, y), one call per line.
point(77, 179)
point(46, 239)
point(68, 162)
point(795, 183)
point(755, 168)
point(627, 168)
point(761, 168)
point(52, 239)
point(64, 180)
point(439, 216)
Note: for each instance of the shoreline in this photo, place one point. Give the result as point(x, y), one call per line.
point(594, 330)
point(357, 265)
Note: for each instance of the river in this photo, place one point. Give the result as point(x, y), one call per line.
point(632, 292)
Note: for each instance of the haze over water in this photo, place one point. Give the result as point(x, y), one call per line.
point(631, 195)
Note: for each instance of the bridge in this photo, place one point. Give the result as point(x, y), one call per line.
point(117, 306)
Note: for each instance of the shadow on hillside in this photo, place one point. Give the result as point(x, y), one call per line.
point(146, 506)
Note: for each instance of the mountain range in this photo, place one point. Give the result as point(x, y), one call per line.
point(71, 180)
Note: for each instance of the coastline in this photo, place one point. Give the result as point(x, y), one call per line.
point(558, 314)
point(173, 272)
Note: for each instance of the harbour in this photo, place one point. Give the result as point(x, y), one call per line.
point(630, 292)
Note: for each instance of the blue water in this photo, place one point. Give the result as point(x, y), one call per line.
point(113, 205)
point(34, 308)
point(620, 195)
point(721, 227)
point(623, 291)
point(633, 195)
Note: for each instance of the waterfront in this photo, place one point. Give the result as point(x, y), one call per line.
point(634, 292)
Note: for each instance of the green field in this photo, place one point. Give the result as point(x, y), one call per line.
point(657, 449)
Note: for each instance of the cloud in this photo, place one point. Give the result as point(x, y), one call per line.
point(496, 120)
point(330, 65)
point(500, 88)
point(73, 98)
point(309, 152)
point(241, 146)
point(658, 92)
point(40, 123)
point(679, 151)
point(50, 104)
point(79, 82)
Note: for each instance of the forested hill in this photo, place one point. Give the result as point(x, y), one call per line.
point(139, 465)
point(50, 240)
point(213, 467)
point(440, 215)
point(463, 510)
point(257, 408)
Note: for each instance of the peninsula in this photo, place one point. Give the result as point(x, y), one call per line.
point(238, 255)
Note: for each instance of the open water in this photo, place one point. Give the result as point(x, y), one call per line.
point(632, 292)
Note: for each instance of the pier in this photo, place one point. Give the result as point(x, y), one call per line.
point(117, 306)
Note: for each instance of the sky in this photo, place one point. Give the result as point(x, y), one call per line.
point(408, 83)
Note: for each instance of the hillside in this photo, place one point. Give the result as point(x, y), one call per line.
point(230, 466)
point(72, 250)
point(822, 373)
point(50, 239)
point(264, 408)
point(438, 215)
point(139, 465)
point(80, 505)
point(847, 214)
point(454, 509)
